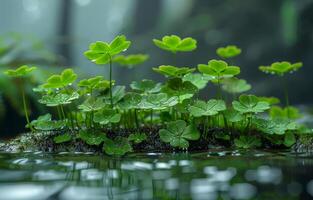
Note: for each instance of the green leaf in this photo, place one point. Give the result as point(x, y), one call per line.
point(45, 123)
point(146, 86)
point(250, 104)
point(91, 83)
point(218, 69)
point(199, 80)
point(158, 101)
point(137, 137)
point(118, 92)
point(92, 104)
point(67, 77)
point(289, 112)
point(107, 116)
point(102, 52)
point(179, 88)
point(270, 100)
point(228, 51)
point(21, 71)
point(118, 147)
point(62, 138)
point(235, 85)
point(175, 44)
point(233, 116)
point(130, 101)
point(281, 68)
point(247, 142)
point(289, 139)
point(91, 137)
point(212, 107)
point(172, 71)
point(274, 127)
point(58, 99)
point(131, 60)
point(178, 134)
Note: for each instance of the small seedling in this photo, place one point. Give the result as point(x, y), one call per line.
point(175, 44)
point(228, 51)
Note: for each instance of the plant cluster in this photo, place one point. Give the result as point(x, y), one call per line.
point(89, 109)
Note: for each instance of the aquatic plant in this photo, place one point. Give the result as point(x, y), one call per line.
point(104, 115)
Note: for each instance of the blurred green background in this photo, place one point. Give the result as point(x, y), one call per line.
point(53, 34)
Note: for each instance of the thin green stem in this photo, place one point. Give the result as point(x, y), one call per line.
point(286, 95)
point(26, 112)
point(111, 96)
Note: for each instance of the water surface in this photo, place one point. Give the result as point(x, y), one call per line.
point(219, 174)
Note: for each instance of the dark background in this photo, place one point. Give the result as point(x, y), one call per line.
point(55, 33)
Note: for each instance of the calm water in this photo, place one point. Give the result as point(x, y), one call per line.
point(214, 175)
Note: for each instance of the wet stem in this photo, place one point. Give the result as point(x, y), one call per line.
point(111, 98)
point(26, 112)
point(284, 83)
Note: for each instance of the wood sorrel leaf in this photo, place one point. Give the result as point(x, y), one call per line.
point(281, 68)
point(62, 138)
point(234, 85)
point(172, 71)
point(178, 133)
point(67, 77)
point(131, 60)
point(250, 104)
point(107, 116)
point(247, 142)
point(19, 72)
point(218, 69)
point(92, 137)
point(92, 104)
point(228, 51)
point(175, 44)
point(289, 112)
point(118, 147)
point(146, 86)
point(212, 107)
point(102, 52)
point(58, 99)
point(137, 137)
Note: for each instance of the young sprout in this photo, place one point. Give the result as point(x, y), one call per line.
point(131, 60)
point(101, 53)
point(22, 72)
point(229, 51)
point(175, 44)
point(172, 71)
point(280, 69)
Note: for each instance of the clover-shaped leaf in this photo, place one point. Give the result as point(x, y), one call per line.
point(92, 137)
point(175, 44)
point(210, 108)
point(118, 93)
point(67, 77)
point(250, 104)
point(137, 137)
point(235, 85)
point(182, 89)
point(228, 51)
point(270, 100)
point(247, 142)
point(172, 71)
point(130, 101)
point(218, 69)
point(91, 83)
point(281, 68)
point(45, 123)
point(233, 116)
point(62, 138)
point(199, 80)
point(92, 104)
point(274, 127)
point(146, 86)
point(158, 101)
point(102, 52)
point(118, 147)
point(178, 133)
point(58, 99)
point(289, 112)
point(131, 60)
point(107, 116)
point(21, 71)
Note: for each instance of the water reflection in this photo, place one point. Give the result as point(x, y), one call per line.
point(214, 175)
